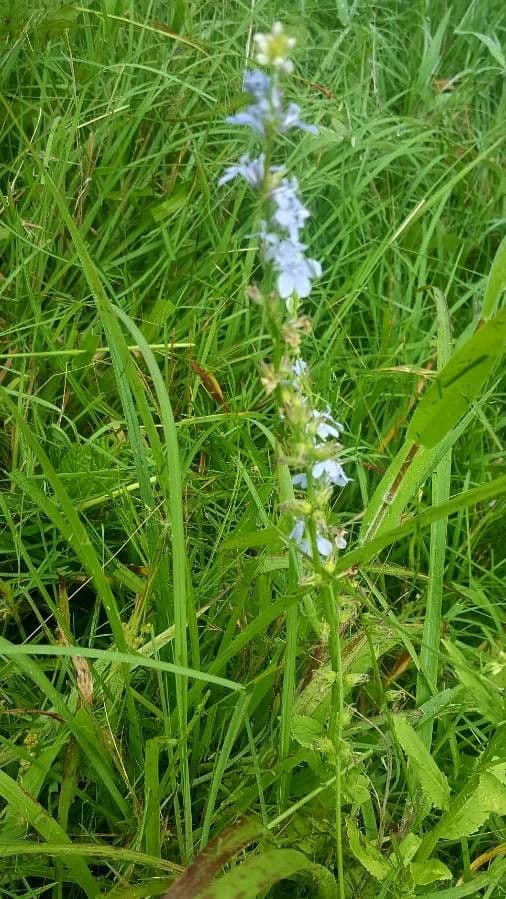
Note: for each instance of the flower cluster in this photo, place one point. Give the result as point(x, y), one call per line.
point(312, 434)
point(318, 448)
point(272, 49)
point(280, 233)
point(267, 113)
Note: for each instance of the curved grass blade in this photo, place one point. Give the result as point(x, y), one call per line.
point(429, 653)
point(172, 473)
point(37, 817)
point(11, 650)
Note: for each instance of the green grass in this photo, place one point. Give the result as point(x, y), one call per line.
point(163, 673)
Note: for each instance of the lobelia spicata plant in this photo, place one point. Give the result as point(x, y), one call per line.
point(310, 434)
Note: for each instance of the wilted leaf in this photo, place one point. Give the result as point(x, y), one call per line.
point(259, 872)
point(212, 859)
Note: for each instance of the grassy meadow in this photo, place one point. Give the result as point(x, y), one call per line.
point(181, 716)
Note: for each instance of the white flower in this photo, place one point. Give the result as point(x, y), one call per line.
point(340, 539)
point(323, 544)
point(273, 48)
point(331, 471)
point(327, 426)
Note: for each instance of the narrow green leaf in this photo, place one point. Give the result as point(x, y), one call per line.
point(416, 523)
point(11, 650)
point(64, 849)
point(222, 758)
point(429, 653)
point(432, 781)
point(450, 396)
point(496, 282)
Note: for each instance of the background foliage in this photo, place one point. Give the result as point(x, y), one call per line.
point(115, 771)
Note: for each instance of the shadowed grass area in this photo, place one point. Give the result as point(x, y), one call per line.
point(148, 616)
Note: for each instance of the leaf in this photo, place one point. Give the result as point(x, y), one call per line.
point(367, 853)
point(213, 857)
point(13, 825)
point(305, 730)
point(259, 872)
point(495, 875)
point(496, 282)
point(492, 44)
point(408, 847)
point(482, 795)
point(416, 523)
point(60, 19)
point(488, 700)
point(449, 397)
point(432, 781)
point(37, 817)
point(429, 871)
point(466, 815)
point(253, 539)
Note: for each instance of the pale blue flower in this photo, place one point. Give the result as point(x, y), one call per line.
point(267, 112)
point(257, 83)
point(252, 116)
point(297, 532)
point(291, 119)
point(299, 369)
point(252, 170)
point(289, 213)
point(324, 546)
point(293, 269)
point(330, 470)
point(327, 426)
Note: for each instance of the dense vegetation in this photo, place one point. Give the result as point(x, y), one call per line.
point(140, 531)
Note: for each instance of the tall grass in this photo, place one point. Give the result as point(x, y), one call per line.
point(167, 686)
